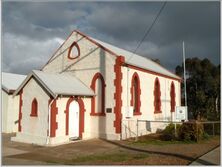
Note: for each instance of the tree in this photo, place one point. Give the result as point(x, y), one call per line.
point(203, 88)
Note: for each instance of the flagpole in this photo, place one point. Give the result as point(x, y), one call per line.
point(185, 85)
point(184, 69)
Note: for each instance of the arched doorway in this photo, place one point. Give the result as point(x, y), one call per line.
point(74, 119)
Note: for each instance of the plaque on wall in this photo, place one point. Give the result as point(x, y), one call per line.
point(109, 110)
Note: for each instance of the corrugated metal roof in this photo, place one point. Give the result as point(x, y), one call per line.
point(59, 84)
point(10, 81)
point(137, 60)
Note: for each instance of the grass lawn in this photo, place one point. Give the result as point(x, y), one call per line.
point(146, 140)
point(121, 156)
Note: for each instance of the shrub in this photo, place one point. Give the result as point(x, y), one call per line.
point(191, 131)
point(169, 132)
point(205, 135)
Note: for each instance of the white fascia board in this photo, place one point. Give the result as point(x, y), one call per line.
point(32, 74)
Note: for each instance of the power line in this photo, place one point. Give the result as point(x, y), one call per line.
point(149, 29)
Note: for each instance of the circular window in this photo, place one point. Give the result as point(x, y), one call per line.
point(74, 51)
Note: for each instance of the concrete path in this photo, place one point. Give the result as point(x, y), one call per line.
point(12, 151)
point(211, 158)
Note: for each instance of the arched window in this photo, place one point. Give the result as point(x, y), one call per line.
point(157, 95)
point(172, 97)
point(34, 109)
point(74, 51)
point(98, 101)
point(135, 94)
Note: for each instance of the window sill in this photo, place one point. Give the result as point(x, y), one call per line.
point(157, 112)
point(97, 114)
point(33, 115)
point(137, 113)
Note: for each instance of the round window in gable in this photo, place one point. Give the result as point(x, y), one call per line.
point(74, 51)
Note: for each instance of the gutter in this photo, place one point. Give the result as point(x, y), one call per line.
point(49, 121)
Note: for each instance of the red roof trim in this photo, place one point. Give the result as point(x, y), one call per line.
point(96, 43)
point(57, 50)
point(151, 72)
point(109, 51)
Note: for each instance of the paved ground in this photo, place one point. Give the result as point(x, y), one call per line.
point(211, 158)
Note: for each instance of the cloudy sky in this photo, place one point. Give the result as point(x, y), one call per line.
point(32, 31)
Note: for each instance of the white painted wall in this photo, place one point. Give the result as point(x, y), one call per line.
point(10, 110)
point(92, 60)
point(34, 129)
point(147, 102)
point(4, 111)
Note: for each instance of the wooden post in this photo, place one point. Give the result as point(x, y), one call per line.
point(213, 129)
point(175, 128)
point(121, 130)
point(197, 130)
point(137, 129)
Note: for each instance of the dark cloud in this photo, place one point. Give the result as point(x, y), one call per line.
point(40, 25)
point(22, 54)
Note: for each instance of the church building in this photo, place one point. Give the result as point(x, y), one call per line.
point(91, 89)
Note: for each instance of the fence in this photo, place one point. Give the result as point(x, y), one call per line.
point(136, 128)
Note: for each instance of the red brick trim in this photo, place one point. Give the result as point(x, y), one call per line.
point(137, 96)
point(57, 50)
point(118, 92)
point(81, 115)
point(34, 108)
point(20, 111)
point(172, 97)
point(157, 96)
point(93, 99)
point(96, 43)
point(112, 53)
point(54, 112)
point(74, 44)
point(151, 72)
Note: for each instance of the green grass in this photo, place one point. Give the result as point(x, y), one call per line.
point(51, 162)
point(114, 157)
point(143, 142)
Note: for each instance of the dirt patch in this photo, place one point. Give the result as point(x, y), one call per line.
point(191, 150)
point(102, 152)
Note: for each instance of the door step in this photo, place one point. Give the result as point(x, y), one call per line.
point(74, 138)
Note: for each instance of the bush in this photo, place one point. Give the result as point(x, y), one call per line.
point(169, 132)
point(191, 131)
point(205, 135)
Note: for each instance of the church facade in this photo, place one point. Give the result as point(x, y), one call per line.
point(91, 89)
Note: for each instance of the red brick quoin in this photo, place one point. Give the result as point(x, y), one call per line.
point(54, 112)
point(118, 91)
